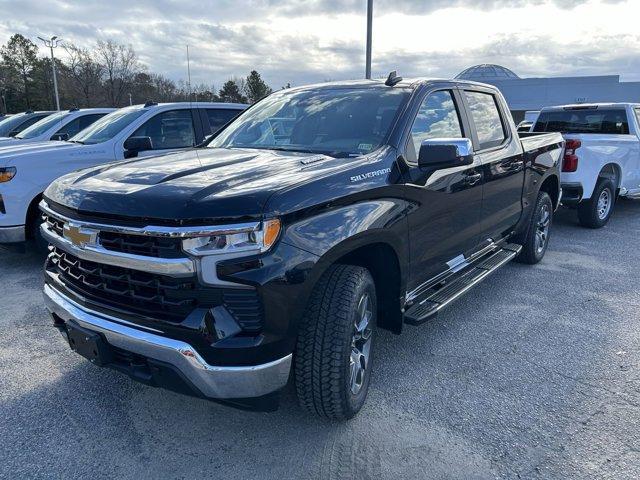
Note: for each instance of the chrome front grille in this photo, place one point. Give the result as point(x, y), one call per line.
point(138, 273)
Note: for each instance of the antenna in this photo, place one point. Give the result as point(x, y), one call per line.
point(189, 73)
point(393, 79)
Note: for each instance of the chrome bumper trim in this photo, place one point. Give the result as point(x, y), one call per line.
point(174, 267)
point(13, 234)
point(158, 231)
point(213, 381)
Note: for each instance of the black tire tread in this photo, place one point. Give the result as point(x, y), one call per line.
point(587, 215)
point(319, 364)
point(528, 253)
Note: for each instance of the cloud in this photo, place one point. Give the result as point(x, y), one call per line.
point(306, 41)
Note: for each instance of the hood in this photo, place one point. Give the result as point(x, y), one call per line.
point(19, 153)
point(200, 184)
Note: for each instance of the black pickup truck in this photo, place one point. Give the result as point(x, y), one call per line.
point(275, 251)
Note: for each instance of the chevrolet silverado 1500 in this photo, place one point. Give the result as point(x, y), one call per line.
point(318, 214)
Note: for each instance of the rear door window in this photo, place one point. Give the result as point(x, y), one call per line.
point(171, 129)
point(218, 117)
point(80, 123)
point(486, 118)
point(587, 120)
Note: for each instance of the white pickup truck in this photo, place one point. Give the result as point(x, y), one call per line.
point(136, 131)
point(58, 126)
point(602, 156)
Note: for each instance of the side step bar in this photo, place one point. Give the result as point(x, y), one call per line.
point(427, 308)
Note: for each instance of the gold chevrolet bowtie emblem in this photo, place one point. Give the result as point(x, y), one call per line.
point(79, 236)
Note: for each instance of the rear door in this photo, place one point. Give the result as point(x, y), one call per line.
point(213, 119)
point(443, 226)
point(502, 162)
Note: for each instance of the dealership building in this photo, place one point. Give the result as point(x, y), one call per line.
point(524, 94)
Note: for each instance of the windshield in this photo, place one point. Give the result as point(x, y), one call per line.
point(339, 121)
point(8, 125)
point(108, 126)
point(611, 121)
point(43, 125)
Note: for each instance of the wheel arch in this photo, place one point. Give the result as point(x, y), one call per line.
point(551, 185)
point(32, 212)
point(612, 171)
point(385, 264)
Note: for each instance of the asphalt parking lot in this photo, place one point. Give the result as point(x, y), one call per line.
point(534, 374)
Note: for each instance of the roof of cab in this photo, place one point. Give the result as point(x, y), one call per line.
point(380, 83)
point(235, 106)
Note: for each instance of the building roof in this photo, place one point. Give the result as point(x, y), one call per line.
point(486, 72)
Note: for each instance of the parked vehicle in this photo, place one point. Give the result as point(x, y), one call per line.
point(137, 131)
point(524, 126)
point(57, 126)
point(318, 214)
point(602, 159)
point(14, 124)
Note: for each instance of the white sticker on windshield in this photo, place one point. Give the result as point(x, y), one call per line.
point(365, 147)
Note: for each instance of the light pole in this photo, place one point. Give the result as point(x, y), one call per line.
point(367, 73)
point(53, 43)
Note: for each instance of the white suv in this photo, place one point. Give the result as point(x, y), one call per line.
point(602, 155)
point(136, 131)
point(58, 126)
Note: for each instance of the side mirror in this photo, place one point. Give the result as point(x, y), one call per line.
point(438, 153)
point(134, 145)
point(60, 136)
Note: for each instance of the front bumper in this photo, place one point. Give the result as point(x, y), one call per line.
point(14, 234)
point(213, 382)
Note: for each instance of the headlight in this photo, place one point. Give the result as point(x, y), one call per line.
point(237, 240)
point(7, 173)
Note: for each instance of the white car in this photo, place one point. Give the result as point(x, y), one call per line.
point(58, 126)
point(602, 156)
point(136, 131)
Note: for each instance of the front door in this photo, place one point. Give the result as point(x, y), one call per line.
point(446, 204)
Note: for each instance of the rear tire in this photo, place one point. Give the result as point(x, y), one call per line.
point(596, 212)
point(332, 367)
point(537, 240)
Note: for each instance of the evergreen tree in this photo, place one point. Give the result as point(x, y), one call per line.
point(255, 87)
point(231, 93)
point(20, 56)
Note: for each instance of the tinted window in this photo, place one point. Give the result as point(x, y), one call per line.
point(108, 126)
point(172, 129)
point(611, 121)
point(80, 123)
point(334, 121)
point(219, 117)
point(486, 118)
point(43, 125)
point(437, 118)
point(19, 122)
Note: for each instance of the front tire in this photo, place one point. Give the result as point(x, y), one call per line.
point(537, 240)
point(333, 357)
point(596, 212)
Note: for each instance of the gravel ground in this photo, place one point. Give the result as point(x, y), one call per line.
point(533, 374)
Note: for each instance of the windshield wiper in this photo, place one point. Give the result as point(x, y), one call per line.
point(80, 142)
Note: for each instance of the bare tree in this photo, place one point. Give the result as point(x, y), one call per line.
point(85, 72)
point(120, 67)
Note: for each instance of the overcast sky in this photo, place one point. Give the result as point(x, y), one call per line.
point(303, 41)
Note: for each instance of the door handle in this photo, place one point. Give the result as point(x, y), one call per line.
point(473, 178)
